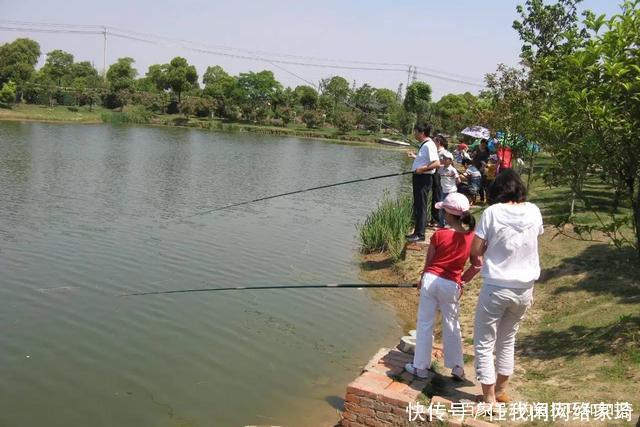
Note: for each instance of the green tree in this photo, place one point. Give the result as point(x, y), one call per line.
point(121, 78)
point(544, 28)
point(386, 100)
point(364, 99)
point(58, 65)
point(219, 86)
point(121, 75)
point(590, 79)
point(156, 76)
point(337, 89)
point(179, 76)
point(306, 96)
point(17, 62)
point(417, 99)
point(454, 112)
point(255, 93)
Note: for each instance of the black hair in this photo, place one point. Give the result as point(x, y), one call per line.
point(485, 142)
point(477, 163)
point(423, 128)
point(466, 219)
point(442, 141)
point(507, 187)
point(466, 161)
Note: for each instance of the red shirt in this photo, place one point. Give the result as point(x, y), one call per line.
point(452, 251)
point(505, 154)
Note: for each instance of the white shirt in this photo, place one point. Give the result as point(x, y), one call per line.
point(448, 177)
point(473, 172)
point(511, 232)
point(426, 154)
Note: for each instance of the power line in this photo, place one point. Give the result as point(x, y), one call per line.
point(247, 54)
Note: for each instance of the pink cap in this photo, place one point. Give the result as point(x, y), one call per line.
point(455, 204)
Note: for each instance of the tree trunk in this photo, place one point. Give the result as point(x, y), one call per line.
point(573, 202)
point(635, 204)
point(531, 165)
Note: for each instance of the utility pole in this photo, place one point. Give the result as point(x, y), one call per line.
point(415, 74)
point(104, 54)
point(408, 78)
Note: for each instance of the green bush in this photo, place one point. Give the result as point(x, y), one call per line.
point(385, 228)
point(136, 114)
point(345, 121)
point(8, 93)
point(313, 119)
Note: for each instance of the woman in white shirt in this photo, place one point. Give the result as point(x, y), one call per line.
point(506, 249)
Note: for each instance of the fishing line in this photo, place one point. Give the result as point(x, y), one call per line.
point(263, 287)
point(288, 194)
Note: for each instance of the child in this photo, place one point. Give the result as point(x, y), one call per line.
point(474, 178)
point(441, 287)
point(449, 178)
point(460, 153)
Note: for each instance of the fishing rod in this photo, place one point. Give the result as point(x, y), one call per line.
point(263, 287)
point(290, 193)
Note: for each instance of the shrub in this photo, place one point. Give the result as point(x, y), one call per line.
point(345, 121)
point(313, 119)
point(135, 114)
point(385, 228)
point(8, 93)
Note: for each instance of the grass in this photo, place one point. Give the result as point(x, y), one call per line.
point(581, 338)
point(580, 341)
point(136, 114)
point(386, 227)
point(52, 114)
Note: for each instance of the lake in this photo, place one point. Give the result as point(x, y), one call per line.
point(90, 212)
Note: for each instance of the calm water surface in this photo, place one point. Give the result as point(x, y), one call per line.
point(88, 212)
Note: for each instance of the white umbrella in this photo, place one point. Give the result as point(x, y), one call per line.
point(476, 132)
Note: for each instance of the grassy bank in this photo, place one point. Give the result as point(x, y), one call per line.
point(29, 112)
point(581, 338)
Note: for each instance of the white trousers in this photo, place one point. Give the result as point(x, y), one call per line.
point(498, 317)
point(438, 294)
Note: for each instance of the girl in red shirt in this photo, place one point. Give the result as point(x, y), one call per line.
point(441, 286)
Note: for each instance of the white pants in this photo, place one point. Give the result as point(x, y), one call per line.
point(498, 316)
point(438, 293)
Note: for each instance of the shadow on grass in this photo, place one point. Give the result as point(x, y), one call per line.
point(373, 265)
point(609, 270)
point(580, 340)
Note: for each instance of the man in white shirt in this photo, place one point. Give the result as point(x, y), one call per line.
point(425, 164)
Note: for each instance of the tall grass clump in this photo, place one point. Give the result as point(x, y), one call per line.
point(135, 114)
point(385, 228)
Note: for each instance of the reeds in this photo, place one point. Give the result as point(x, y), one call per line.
point(385, 228)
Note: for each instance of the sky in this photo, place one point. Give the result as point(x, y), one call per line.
point(452, 38)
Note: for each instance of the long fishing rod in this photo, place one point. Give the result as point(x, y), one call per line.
point(262, 287)
point(290, 193)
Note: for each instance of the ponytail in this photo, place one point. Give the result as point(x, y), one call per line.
point(467, 219)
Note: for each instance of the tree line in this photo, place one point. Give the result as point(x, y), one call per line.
point(176, 87)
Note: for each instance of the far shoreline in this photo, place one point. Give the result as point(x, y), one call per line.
point(59, 114)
